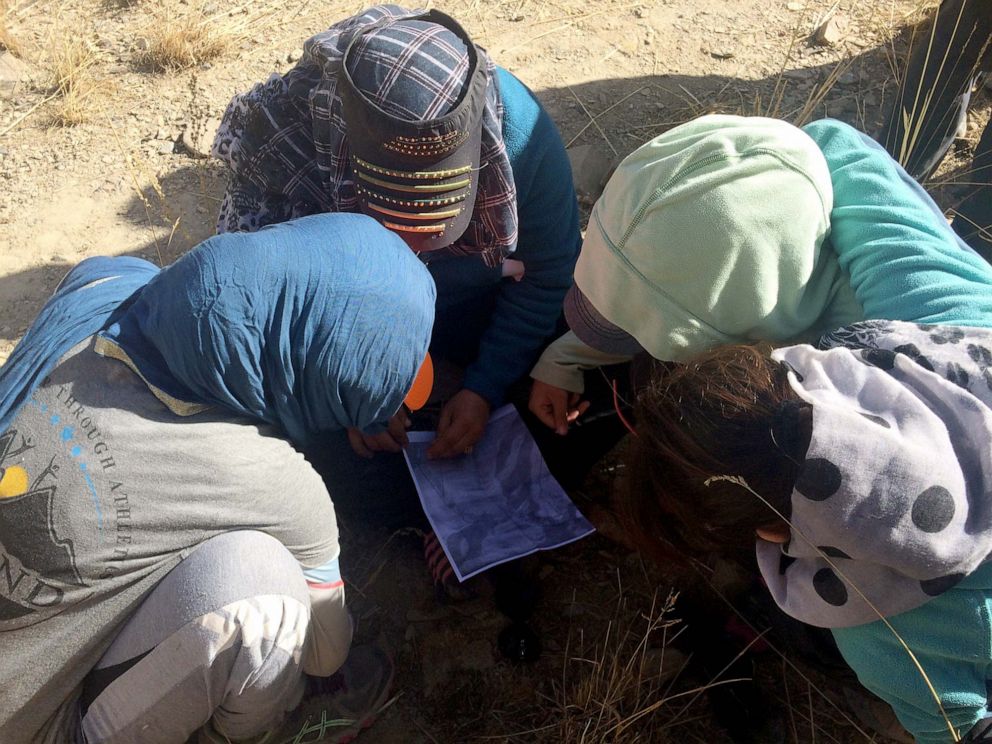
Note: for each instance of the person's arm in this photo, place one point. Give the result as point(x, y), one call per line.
point(330, 630)
point(299, 513)
point(564, 361)
point(904, 261)
point(527, 311)
point(950, 637)
point(556, 393)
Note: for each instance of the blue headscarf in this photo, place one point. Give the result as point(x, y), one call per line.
point(88, 296)
point(311, 325)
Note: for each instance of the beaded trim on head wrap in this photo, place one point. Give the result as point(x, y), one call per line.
point(413, 92)
point(285, 167)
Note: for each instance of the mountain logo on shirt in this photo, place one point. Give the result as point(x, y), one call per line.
point(34, 560)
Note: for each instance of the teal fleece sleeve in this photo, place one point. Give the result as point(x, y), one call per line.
point(527, 311)
point(904, 261)
point(951, 636)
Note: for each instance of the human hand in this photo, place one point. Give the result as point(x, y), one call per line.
point(554, 407)
point(394, 439)
point(462, 424)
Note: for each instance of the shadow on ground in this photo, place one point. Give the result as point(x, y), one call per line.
point(618, 115)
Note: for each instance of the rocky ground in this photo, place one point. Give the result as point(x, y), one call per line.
point(114, 164)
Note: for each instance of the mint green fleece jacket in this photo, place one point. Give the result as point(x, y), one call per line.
point(906, 264)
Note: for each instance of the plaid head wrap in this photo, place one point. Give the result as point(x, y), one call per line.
point(287, 145)
point(413, 93)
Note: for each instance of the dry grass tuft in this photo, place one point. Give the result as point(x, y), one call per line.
point(617, 690)
point(72, 80)
point(182, 38)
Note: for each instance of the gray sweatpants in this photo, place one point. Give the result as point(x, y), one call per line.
point(219, 639)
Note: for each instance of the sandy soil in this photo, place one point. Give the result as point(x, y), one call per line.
point(613, 74)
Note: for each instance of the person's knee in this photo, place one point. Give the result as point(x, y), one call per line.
point(220, 639)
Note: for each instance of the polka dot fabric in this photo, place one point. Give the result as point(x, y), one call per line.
point(894, 499)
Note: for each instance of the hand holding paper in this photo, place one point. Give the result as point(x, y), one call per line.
point(498, 502)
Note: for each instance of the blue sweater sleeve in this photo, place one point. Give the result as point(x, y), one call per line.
point(527, 311)
point(904, 261)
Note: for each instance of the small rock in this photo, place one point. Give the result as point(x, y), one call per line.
point(107, 160)
point(198, 138)
point(167, 148)
point(13, 72)
point(721, 53)
point(831, 31)
point(591, 168)
point(206, 66)
point(794, 6)
point(294, 55)
point(801, 73)
point(516, 18)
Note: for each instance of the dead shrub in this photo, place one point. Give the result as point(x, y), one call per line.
point(616, 689)
point(182, 38)
point(72, 79)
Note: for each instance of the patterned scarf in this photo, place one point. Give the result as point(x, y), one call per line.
point(894, 499)
point(286, 144)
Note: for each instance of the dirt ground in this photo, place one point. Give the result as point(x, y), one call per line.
point(130, 179)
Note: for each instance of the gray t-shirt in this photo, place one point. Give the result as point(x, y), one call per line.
point(102, 491)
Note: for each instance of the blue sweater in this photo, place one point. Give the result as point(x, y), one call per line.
point(526, 312)
point(905, 263)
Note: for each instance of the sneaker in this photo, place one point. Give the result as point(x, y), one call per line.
point(335, 709)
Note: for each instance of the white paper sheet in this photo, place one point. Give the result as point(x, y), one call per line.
point(498, 503)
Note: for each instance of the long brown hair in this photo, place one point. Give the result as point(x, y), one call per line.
point(728, 412)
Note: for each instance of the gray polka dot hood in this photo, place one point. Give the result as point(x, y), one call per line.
point(893, 504)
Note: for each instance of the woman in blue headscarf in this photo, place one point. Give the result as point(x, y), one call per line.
point(168, 560)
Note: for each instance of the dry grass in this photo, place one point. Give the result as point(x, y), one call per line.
point(616, 690)
point(72, 79)
point(183, 37)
